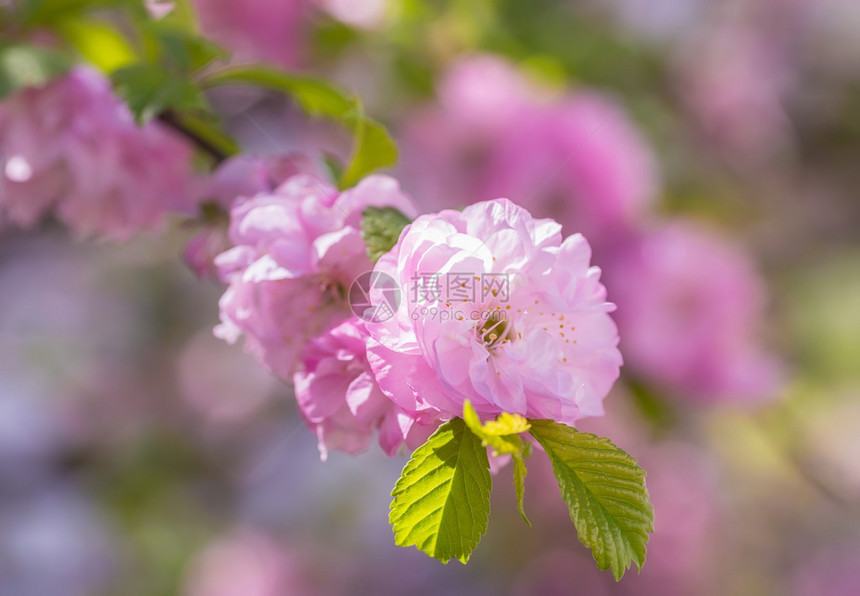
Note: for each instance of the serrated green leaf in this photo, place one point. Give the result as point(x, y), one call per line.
point(604, 488)
point(442, 500)
point(29, 66)
point(380, 228)
point(502, 436)
point(373, 147)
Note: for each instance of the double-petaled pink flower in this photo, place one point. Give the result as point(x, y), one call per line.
point(341, 402)
point(498, 310)
point(295, 253)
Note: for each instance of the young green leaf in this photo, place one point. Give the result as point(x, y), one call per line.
point(442, 500)
point(380, 228)
point(520, 472)
point(502, 435)
point(604, 488)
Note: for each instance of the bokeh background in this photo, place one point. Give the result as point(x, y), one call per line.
point(710, 150)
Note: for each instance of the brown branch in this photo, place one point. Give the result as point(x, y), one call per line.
point(169, 118)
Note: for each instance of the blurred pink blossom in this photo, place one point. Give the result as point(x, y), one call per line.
point(270, 30)
point(341, 402)
point(683, 485)
point(232, 387)
point(830, 570)
point(733, 81)
point(363, 14)
point(539, 343)
point(682, 489)
point(73, 147)
point(576, 158)
point(296, 252)
point(689, 307)
point(579, 161)
point(158, 9)
point(246, 562)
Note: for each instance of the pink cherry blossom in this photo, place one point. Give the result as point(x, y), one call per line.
point(826, 569)
point(341, 402)
point(688, 309)
point(249, 562)
point(271, 30)
point(520, 323)
point(73, 147)
point(734, 81)
point(579, 161)
point(575, 157)
point(295, 253)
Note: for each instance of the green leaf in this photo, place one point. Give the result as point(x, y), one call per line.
point(29, 66)
point(380, 228)
point(505, 424)
point(98, 41)
point(442, 500)
point(604, 488)
point(520, 472)
point(183, 15)
point(49, 12)
point(373, 147)
point(178, 47)
point(150, 90)
point(314, 96)
point(503, 436)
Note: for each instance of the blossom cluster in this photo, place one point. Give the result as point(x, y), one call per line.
point(547, 348)
point(689, 301)
point(73, 148)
